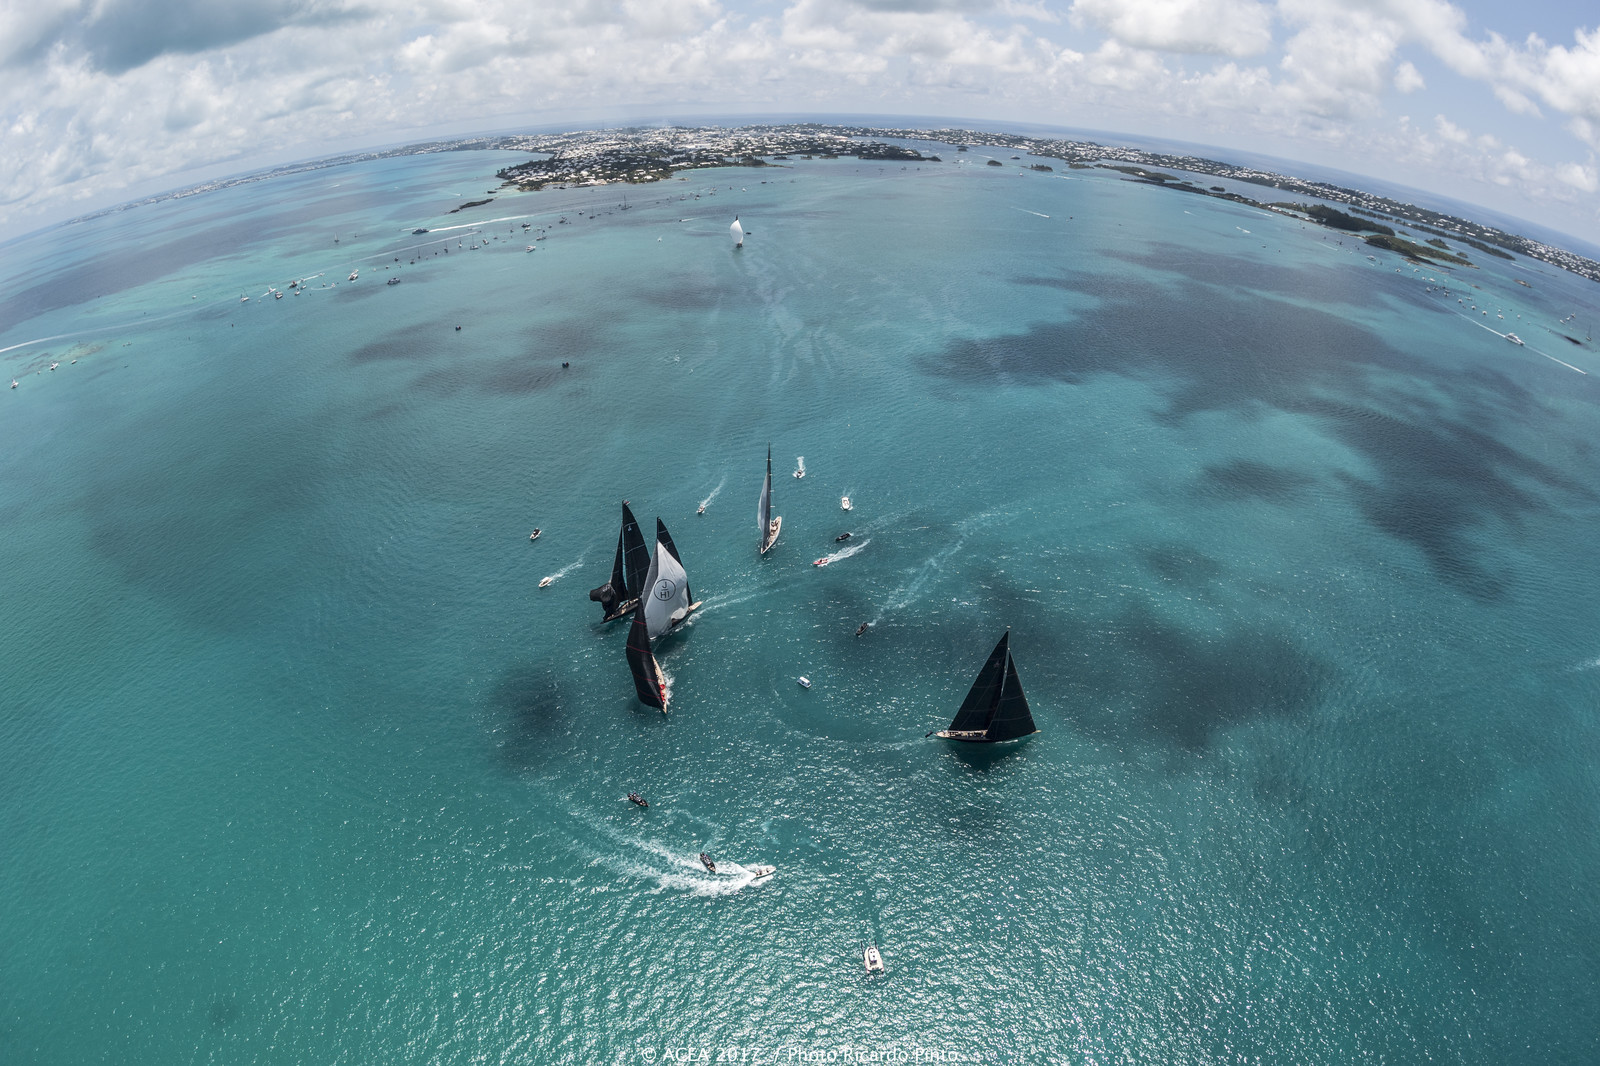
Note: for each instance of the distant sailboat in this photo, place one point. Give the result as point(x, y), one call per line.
point(621, 594)
point(667, 600)
point(769, 525)
point(738, 232)
point(995, 708)
point(647, 680)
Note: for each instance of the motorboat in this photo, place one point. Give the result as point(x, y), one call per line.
point(635, 798)
point(353, 275)
point(1514, 339)
point(805, 682)
point(535, 534)
point(392, 281)
point(873, 960)
point(546, 582)
point(843, 537)
point(844, 503)
point(762, 871)
point(824, 561)
point(705, 860)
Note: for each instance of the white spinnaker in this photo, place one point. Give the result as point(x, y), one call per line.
point(738, 233)
point(667, 595)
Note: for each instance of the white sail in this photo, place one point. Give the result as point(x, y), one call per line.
point(738, 233)
point(666, 601)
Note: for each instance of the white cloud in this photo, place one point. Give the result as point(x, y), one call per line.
point(1206, 27)
point(1408, 79)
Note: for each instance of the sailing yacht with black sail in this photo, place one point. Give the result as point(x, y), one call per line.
point(666, 600)
point(995, 708)
point(620, 595)
point(764, 517)
point(647, 679)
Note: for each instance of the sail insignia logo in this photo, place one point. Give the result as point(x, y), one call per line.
point(666, 588)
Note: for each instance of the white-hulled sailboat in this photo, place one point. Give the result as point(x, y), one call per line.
point(769, 524)
point(995, 708)
point(666, 599)
point(738, 232)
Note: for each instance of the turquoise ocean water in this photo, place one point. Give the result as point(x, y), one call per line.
point(298, 764)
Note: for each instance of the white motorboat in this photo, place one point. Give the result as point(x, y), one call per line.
point(805, 682)
point(353, 275)
point(844, 503)
point(1514, 339)
point(546, 582)
point(762, 871)
point(873, 960)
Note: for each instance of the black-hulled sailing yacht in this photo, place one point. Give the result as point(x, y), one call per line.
point(621, 594)
point(647, 679)
point(764, 517)
point(995, 708)
point(666, 600)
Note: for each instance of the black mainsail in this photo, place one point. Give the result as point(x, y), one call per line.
point(619, 595)
point(769, 525)
point(647, 681)
point(995, 708)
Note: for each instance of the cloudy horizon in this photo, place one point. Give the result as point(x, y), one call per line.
point(110, 100)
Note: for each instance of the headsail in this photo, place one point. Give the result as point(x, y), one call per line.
point(1012, 718)
point(769, 525)
point(665, 601)
point(647, 680)
point(738, 232)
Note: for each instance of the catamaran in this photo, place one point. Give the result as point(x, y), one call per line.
point(769, 524)
point(647, 679)
point(995, 708)
point(667, 599)
point(621, 594)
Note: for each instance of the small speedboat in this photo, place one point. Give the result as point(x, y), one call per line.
point(799, 473)
point(13, 383)
point(353, 275)
point(54, 365)
point(842, 537)
point(705, 860)
point(762, 871)
point(873, 960)
point(244, 299)
point(634, 797)
point(702, 509)
point(535, 534)
point(546, 582)
point(392, 281)
point(844, 503)
point(824, 561)
point(862, 628)
point(1514, 339)
point(805, 682)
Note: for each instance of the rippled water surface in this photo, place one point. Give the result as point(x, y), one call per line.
point(299, 764)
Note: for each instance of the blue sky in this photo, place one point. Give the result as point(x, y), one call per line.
point(1493, 104)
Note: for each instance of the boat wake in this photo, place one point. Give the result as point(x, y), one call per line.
point(668, 870)
point(707, 501)
point(1039, 213)
point(800, 466)
point(1531, 348)
point(912, 590)
point(563, 572)
point(855, 546)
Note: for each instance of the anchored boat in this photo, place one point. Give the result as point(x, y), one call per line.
point(995, 708)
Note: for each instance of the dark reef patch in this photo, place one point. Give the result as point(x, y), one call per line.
point(1441, 469)
point(1246, 479)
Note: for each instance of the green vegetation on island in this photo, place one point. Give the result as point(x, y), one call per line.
point(1336, 219)
point(1413, 250)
